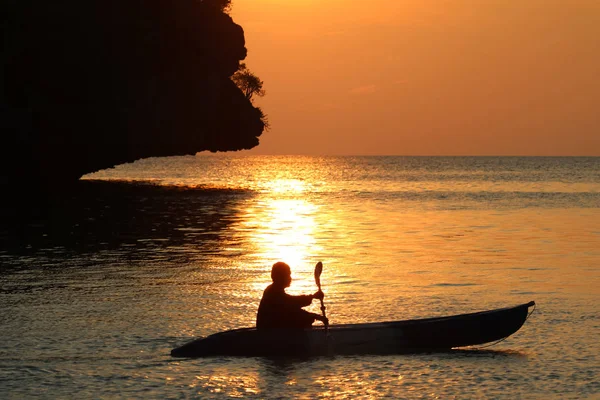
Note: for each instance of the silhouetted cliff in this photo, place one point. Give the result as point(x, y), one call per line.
point(90, 84)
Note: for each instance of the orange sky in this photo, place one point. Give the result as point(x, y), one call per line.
point(426, 77)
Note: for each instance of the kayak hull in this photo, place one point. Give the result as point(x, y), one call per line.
point(395, 337)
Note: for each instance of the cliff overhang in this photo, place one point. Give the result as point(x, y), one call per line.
point(87, 85)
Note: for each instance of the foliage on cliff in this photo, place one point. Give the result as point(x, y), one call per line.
point(248, 82)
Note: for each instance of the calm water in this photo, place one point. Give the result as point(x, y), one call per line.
point(96, 293)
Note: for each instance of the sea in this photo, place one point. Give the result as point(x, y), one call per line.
point(98, 287)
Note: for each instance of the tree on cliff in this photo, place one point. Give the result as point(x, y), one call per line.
point(221, 5)
point(248, 83)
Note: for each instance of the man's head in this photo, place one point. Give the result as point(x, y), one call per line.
point(281, 274)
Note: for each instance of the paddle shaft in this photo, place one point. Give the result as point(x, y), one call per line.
point(322, 304)
point(318, 270)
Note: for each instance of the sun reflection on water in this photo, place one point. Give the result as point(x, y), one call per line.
point(229, 385)
point(285, 186)
point(283, 229)
point(289, 228)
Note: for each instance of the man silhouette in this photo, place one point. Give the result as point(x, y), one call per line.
point(278, 309)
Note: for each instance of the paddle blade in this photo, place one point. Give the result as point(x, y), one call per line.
point(318, 271)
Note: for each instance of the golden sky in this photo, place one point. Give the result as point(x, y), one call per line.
point(426, 77)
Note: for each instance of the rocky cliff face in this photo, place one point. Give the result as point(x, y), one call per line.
point(90, 84)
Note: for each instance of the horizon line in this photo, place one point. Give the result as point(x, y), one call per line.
point(247, 153)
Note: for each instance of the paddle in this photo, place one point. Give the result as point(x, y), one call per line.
point(318, 271)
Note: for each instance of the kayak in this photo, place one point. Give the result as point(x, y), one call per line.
point(394, 337)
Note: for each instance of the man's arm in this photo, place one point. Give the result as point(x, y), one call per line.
point(298, 301)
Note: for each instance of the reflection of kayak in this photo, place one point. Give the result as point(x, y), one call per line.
point(428, 334)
